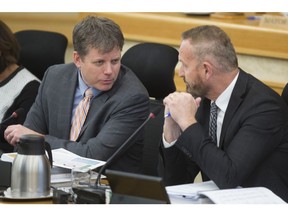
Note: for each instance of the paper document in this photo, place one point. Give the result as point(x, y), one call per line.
point(192, 189)
point(253, 195)
point(188, 193)
point(8, 157)
point(191, 193)
point(66, 159)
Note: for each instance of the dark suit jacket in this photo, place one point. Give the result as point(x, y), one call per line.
point(113, 116)
point(253, 144)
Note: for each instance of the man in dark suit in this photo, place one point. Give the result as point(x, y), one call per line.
point(120, 103)
point(251, 144)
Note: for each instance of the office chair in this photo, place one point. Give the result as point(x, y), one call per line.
point(154, 64)
point(284, 94)
point(41, 49)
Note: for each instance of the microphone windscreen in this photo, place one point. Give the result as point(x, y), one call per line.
point(18, 113)
point(156, 110)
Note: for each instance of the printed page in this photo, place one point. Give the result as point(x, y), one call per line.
point(66, 159)
point(191, 189)
point(253, 195)
point(188, 193)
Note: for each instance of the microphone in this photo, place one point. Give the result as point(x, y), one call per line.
point(17, 114)
point(124, 146)
point(96, 194)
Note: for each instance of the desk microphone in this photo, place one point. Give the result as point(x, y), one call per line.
point(18, 113)
point(96, 194)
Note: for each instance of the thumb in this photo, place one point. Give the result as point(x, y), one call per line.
point(198, 101)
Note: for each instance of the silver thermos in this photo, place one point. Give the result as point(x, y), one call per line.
point(31, 169)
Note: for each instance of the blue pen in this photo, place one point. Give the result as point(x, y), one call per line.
point(167, 115)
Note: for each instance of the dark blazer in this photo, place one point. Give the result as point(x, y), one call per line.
point(113, 116)
point(253, 144)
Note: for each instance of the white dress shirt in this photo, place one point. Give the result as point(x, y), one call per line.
point(222, 104)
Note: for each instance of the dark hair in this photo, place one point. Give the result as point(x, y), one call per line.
point(211, 42)
point(99, 33)
point(9, 47)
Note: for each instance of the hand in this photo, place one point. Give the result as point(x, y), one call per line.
point(182, 107)
point(13, 133)
point(171, 129)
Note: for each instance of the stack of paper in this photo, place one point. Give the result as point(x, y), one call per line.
point(192, 193)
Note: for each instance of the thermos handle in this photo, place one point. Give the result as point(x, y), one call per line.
point(48, 149)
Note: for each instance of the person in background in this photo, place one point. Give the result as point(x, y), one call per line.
point(18, 86)
point(249, 146)
point(119, 103)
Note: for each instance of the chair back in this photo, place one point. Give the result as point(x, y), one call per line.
point(154, 64)
point(41, 49)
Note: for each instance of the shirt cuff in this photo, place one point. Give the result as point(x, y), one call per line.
point(166, 144)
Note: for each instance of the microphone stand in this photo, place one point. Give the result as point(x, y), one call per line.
point(119, 150)
point(96, 194)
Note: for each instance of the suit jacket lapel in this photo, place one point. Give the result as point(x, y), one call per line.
point(235, 101)
point(67, 91)
point(96, 105)
point(203, 114)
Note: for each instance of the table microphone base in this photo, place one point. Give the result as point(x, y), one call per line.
point(90, 195)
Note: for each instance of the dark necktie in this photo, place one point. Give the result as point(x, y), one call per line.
point(213, 122)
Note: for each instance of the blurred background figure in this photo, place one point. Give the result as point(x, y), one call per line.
point(18, 86)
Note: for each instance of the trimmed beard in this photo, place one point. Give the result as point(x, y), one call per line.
point(198, 89)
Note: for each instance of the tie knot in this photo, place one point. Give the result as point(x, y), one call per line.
point(89, 93)
point(213, 107)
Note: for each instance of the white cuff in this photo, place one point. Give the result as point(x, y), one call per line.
point(166, 144)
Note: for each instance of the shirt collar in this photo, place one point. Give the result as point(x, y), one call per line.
point(83, 87)
point(223, 100)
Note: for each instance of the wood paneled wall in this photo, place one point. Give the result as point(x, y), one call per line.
point(247, 36)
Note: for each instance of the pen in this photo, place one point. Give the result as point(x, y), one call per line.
point(167, 115)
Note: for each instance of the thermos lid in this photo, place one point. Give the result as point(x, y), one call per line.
point(31, 144)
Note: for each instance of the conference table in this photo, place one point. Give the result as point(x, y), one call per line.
point(173, 199)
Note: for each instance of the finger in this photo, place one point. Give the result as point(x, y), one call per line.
point(198, 101)
point(14, 141)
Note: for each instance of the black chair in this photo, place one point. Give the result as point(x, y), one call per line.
point(284, 94)
point(154, 64)
point(41, 49)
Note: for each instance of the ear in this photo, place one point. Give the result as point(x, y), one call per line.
point(208, 69)
point(76, 59)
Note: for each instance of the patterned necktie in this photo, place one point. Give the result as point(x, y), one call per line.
point(213, 122)
point(80, 114)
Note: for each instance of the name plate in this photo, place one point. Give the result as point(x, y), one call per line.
point(279, 22)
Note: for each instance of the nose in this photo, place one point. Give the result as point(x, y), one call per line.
point(181, 72)
point(108, 68)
